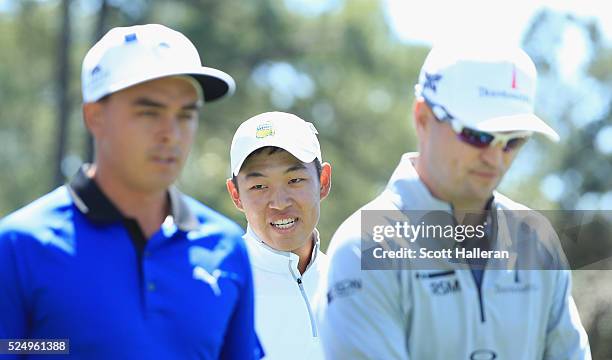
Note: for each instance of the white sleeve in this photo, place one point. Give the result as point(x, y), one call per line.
point(362, 314)
point(565, 338)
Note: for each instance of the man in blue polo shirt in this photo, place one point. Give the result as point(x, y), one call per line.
point(119, 262)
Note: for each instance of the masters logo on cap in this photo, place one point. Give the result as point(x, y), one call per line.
point(263, 130)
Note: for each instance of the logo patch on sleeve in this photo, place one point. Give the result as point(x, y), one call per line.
point(343, 288)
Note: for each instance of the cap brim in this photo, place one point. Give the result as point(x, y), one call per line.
point(524, 122)
point(215, 83)
point(303, 156)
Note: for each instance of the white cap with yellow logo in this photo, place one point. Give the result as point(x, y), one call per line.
point(278, 129)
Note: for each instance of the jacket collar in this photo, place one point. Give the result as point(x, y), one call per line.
point(97, 207)
point(410, 193)
point(267, 258)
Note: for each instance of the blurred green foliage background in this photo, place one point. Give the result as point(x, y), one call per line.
point(342, 69)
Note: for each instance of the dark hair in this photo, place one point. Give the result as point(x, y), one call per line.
point(271, 150)
point(104, 98)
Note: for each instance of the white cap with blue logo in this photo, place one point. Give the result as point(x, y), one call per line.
point(127, 56)
point(278, 129)
point(487, 88)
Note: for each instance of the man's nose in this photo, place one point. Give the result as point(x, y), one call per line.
point(280, 199)
point(493, 155)
point(170, 129)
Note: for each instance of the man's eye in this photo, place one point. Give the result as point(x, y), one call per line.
point(148, 113)
point(187, 116)
point(296, 180)
point(258, 187)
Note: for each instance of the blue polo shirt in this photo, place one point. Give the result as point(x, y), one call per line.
point(73, 267)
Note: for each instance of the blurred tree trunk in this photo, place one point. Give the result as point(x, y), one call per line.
point(99, 32)
point(63, 101)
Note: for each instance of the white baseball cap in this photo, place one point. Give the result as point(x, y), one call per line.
point(279, 129)
point(488, 88)
point(127, 56)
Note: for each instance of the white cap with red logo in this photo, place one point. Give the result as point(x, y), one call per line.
point(487, 89)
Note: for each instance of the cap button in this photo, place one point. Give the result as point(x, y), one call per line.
point(130, 38)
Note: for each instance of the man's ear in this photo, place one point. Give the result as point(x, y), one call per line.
point(325, 180)
point(422, 116)
point(233, 193)
point(92, 117)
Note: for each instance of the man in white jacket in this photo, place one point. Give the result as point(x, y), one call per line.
point(473, 110)
point(278, 181)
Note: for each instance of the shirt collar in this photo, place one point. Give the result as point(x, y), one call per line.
point(97, 207)
point(266, 257)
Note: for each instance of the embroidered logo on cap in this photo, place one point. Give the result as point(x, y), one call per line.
point(431, 81)
point(96, 70)
point(130, 38)
point(264, 130)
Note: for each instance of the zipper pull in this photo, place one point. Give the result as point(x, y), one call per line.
point(516, 276)
point(516, 272)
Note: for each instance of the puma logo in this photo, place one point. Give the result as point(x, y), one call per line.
point(211, 279)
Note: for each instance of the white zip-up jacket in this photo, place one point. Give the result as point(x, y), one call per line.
point(442, 314)
point(284, 317)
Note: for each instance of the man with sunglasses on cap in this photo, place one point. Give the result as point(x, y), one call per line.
point(473, 111)
point(119, 264)
point(278, 181)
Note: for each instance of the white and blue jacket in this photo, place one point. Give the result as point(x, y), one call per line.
point(284, 317)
